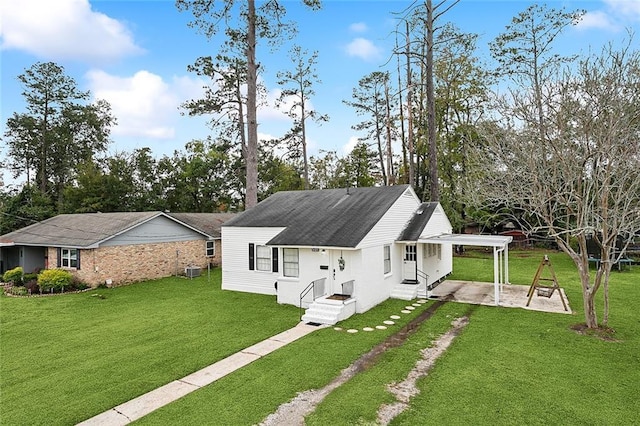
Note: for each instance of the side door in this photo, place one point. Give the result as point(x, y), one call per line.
point(409, 263)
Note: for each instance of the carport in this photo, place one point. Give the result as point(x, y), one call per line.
point(500, 245)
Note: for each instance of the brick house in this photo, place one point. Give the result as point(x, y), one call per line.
point(116, 248)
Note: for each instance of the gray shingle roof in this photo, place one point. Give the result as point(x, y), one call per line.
point(76, 230)
point(322, 218)
point(418, 221)
point(88, 229)
point(209, 223)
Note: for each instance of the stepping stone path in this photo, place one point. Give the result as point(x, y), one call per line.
point(407, 310)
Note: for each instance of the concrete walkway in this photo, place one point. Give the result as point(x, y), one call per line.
point(144, 404)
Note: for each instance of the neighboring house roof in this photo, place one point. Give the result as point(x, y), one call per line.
point(322, 218)
point(85, 230)
point(418, 221)
point(208, 223)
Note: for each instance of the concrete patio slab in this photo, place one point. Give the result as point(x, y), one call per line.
point(511, 296)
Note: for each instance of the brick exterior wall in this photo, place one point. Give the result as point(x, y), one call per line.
point(132, 263)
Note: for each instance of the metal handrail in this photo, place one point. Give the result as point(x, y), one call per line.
point(310, 287)
point(425, 277)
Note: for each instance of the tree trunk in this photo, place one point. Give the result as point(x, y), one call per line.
point(390, 172)
point(251, 197)
point(410, 142)
point(590, 317)
point(304, 145)
point(431, 110)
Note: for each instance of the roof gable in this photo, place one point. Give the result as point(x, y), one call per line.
point(325, 218)
point(418, 222)
point(85, 230)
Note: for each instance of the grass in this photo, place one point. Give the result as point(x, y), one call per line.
point(67, 358)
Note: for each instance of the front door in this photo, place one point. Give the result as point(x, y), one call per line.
point(409, 265)
point(341, 265)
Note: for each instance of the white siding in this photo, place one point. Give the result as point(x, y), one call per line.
point(289, 288)
point(438, 224)
point(158, 230)
point(236, 274)
point(393, 221)
point(372, 286)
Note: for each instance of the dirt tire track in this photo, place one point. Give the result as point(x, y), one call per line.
point(293, 412)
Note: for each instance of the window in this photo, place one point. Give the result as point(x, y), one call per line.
point(69, 258)
point(211, 248)
point(433, 250)
point(410, 253)
point(387, 259)
point(290, 262)
point(263, 258)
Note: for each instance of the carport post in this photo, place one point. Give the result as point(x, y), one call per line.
point(496, 276)
point(506, 263)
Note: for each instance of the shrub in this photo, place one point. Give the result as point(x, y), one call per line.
point(54, 279)
point(13, 276)
point(29, 277)
point(16, 290)
point(77, 284)
point(32, 286)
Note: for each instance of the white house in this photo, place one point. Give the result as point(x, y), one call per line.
point(337, 251)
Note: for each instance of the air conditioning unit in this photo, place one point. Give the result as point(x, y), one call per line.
point(192, 271)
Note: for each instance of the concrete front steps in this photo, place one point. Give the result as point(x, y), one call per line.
point(404, 291)
point(328, 311)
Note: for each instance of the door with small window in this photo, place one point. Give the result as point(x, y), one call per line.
point(409, 263)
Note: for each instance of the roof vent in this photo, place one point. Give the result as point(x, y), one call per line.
point(420, 211)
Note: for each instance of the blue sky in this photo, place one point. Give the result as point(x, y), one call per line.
point(135, 54)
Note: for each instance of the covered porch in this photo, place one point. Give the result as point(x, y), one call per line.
point(500, 245)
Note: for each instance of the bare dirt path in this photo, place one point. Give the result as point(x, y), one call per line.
point(293, 412)
point(407, 388)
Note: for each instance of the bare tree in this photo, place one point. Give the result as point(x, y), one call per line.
point(580, 181)
point(301, 81)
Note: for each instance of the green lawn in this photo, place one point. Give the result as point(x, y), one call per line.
point(509, 366)
point(67, 358)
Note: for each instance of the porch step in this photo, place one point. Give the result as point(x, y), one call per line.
point(325, 311)
point(404, 291)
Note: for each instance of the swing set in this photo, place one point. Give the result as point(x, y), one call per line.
point(545, 290)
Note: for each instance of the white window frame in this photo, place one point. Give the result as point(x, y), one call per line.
point(263, 263)
point(386, 257)
point(290, 262)
point(69, 258)
point(210, 248)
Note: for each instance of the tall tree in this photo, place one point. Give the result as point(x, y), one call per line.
point(296, 96)
point(581, 180)
point(423, 17)
point(58, 131)
point(371, 100)
point(525, 53)
point(462, 93)
point(266, 22)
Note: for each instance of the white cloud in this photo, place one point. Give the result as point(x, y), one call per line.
point(364, 49)
point(625, 8)
point(64, 29)
point(358, 27)
point(348, 147)
point(144, 104)
point(599, 20)
point(614, 17)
